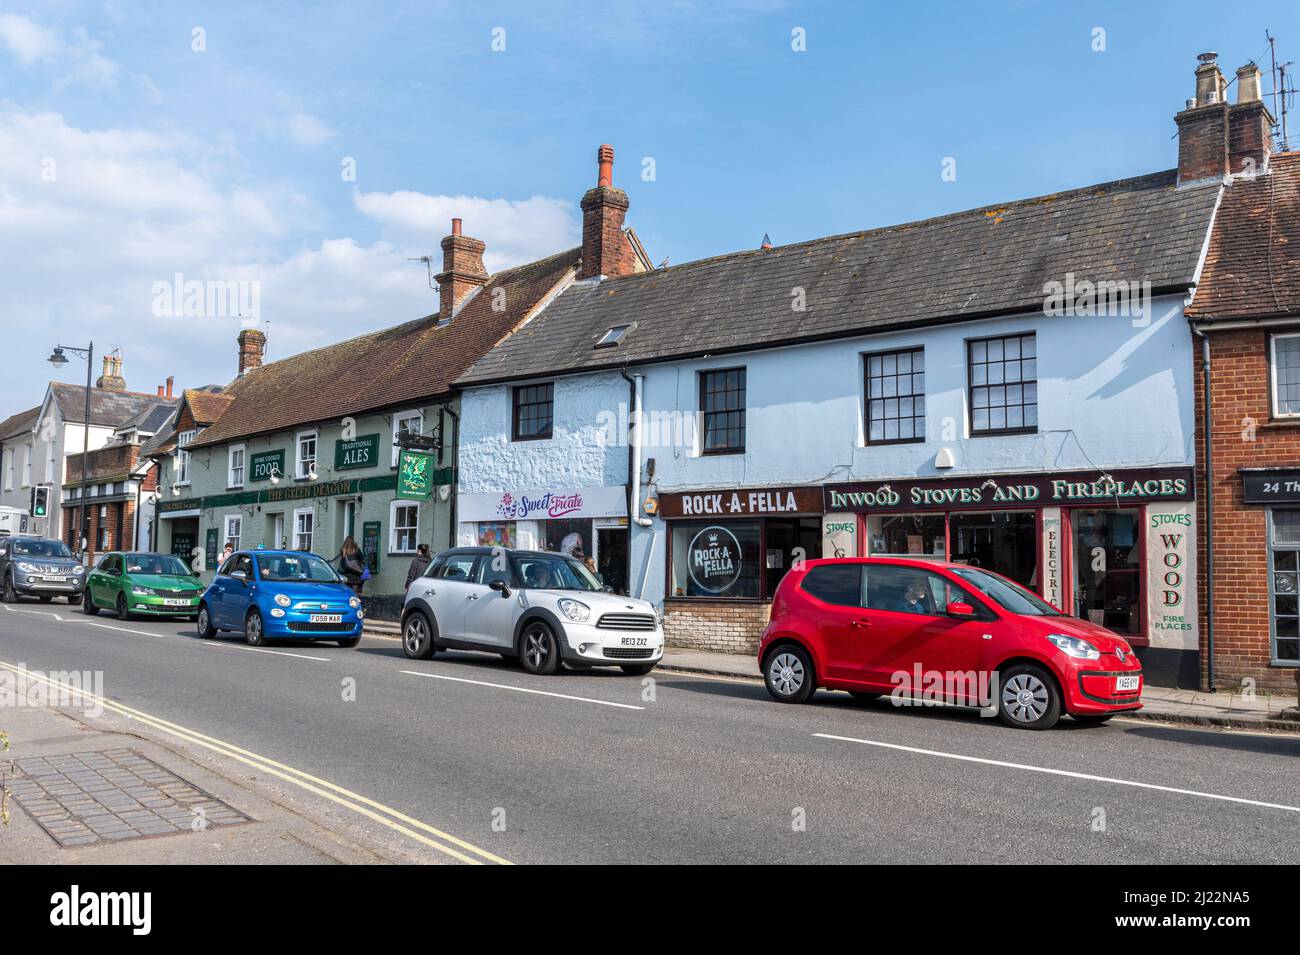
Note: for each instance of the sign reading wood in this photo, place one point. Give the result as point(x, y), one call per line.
point(741, 502)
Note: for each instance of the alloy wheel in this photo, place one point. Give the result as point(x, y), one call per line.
point(537, 648)
point(416, 635)
point(1025, 698)
point(786, 672)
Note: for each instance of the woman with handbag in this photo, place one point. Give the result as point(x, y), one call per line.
point(352, 565)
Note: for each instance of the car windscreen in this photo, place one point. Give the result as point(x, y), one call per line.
point(1007, 595)
point(295, 567)
point(41, 548)
point(555, 572)
point(163, 565)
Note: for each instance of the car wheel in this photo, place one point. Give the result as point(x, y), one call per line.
point(254, 635)
point(204, 624)
point(122, 612)
point(1028, 698)
point(637, 669)
point(417, 637)
point(10, 595)
point(1092, 719)
point(863, 696)
point(789, 674)
point(538, 651)
point(88, 605)
point(349, 642)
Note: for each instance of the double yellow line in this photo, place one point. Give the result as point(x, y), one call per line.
point(384, 815)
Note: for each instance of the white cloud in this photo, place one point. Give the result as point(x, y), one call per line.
point(81, 60)
point(91, 219)
point(306, 130)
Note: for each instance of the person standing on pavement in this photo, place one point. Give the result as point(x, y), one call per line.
point(419, 565)
point(352, 565)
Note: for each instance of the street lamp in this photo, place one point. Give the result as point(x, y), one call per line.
point(58, 360)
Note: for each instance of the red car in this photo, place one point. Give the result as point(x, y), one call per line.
point(926, 631)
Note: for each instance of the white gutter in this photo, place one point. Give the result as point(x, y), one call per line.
point(636, 454)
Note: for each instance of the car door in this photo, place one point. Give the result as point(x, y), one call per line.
point(837, 610)
point(447, 594)
point(108, 581)
point(490, 617)
point(913, 644)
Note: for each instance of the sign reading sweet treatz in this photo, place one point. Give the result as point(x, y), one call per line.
point(1127, 487)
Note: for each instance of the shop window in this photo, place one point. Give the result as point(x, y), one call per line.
point(1003, 384)
point(1284, 585)
point(1286, 375)
point(1004, 542)
point(908, 535)
point(786, 541)
point(496, 534)
point(722, 410)
point(533, 412)
point(570, 536)
point(896, 396)
point(716, 560)
point(404, 519)
point(1107, 568)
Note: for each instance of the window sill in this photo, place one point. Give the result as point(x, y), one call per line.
point(716, 452)
point(1001, 432)
point(887, 441)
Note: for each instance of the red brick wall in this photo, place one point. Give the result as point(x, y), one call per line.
point(1243, 436)
point(725, 626)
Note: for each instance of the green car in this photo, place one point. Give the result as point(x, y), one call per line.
point(131, 583)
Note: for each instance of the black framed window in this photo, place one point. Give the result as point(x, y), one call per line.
point(722, 406)
point(1003, 380)
point(534, 405)
point(1284, 585)
point(896, 396)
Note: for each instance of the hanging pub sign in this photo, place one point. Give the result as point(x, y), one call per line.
point(362, 452)
point(713, 559)
point(262, 466)
point(1270, 486)
point(1097, 488)
point(415, 475)
point(741, 502)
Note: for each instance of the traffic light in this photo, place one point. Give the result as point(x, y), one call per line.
point(40, 500)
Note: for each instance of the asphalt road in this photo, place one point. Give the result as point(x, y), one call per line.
point(685, 768)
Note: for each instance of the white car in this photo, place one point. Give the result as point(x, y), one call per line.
point(540, 607)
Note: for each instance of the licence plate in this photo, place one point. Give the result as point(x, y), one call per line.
point(326, 618)
point(1126, 682)
point(176, 602)
point(52, 580)
point(632, 641)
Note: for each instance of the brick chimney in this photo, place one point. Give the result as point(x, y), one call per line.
point(462, 270)
point(1216, 138)
point(252, 347)
point(171, 383)
point(605, 249)
point(111, 379)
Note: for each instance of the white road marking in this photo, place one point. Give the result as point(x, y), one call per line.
point(280, 653)
point(109, 626)
point(1061, 772)
point(521, 689)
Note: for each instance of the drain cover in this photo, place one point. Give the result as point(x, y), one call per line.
point(85, 798)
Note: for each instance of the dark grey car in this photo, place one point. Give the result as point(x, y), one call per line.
point(39, 567)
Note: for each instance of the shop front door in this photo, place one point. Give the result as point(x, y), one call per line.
point(611, 557)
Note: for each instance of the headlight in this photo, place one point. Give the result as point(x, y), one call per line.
point(27, 568)
point(1075, 647)
point(144, 591)
point(574, 610)
point(78, 570)
point(282, 600)
point(354, 602)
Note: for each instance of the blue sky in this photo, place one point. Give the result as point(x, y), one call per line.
point(225, 163)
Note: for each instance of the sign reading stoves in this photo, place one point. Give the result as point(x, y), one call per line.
point(713, 559)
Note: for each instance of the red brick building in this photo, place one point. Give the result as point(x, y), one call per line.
point(1246, 317)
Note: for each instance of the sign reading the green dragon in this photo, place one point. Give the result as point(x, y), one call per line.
point(415, 475)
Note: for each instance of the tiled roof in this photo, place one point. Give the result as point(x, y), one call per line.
point(207, 405)
point(1252, 268)
point(18, 424)
point(407, 363)
point(108, 408)
point(972, 264)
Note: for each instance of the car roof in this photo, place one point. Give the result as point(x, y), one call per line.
point(921, 563)
point(479, 551)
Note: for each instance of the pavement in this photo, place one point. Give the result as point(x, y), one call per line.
point(342, 754)
point(1164, 704)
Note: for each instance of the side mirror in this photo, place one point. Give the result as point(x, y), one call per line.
point(965, 611)
point(500, 586)
point(240, 575)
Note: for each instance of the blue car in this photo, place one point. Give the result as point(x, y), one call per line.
point(271, 594)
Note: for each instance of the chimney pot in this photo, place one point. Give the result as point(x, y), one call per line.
point(455, 227)
point(160, 391)
point(252, 349)
point(605, 158)
point(171, 381)
point(605, 249)
point(1248, 84)
point(111, 379)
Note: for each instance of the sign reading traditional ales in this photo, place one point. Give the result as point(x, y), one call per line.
point(415, 475)
point(262, 466)
point(1128, 487)
point(362, 452)
point(741, 502)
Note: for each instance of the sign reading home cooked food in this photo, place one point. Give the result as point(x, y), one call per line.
point(1117, 488)
point(741, 502)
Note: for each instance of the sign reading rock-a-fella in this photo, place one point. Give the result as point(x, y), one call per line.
point(733, 502)
point(262, 466)
point(1128, 487)
point(362, 452)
